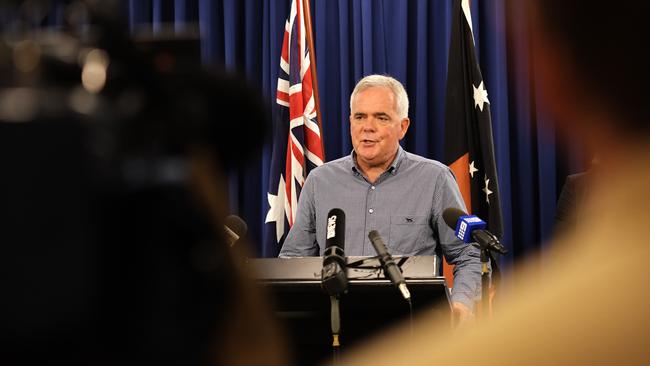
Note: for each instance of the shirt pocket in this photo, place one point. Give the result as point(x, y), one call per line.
point(406, 233)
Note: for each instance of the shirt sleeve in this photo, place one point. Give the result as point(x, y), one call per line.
point(465, 257)
point(301, 240)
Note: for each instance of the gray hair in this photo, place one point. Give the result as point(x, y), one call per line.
point(370, 81)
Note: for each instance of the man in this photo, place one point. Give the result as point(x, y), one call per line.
point(571, 196)
point(381, 187)
point(590, 305)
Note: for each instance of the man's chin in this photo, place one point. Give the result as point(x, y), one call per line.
point(365, 153)
point(367, 159)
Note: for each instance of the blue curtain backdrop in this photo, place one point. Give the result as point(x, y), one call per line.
point(408, 40)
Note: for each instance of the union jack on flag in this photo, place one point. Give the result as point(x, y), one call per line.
point(297, 141)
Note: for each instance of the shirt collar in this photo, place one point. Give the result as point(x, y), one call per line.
point(399, 157)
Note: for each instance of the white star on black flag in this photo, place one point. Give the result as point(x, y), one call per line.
point(480, 96)
point(487, 190)
point(472, 169)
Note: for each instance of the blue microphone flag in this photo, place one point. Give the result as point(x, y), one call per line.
point(466, 224)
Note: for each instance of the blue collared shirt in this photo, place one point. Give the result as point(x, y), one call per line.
point(404, 205)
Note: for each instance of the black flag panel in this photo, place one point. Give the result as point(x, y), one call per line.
point(469, 149)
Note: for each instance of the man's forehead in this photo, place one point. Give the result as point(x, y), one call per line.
point(376, 92)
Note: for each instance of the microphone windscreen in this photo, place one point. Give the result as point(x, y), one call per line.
point(335, 228)
point(451, 216)
point(373, 235)
point(236, 224)
point(378, 243)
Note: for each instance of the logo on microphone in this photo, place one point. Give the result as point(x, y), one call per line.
point(331, 227)
point(466, 226)
point(461, 230)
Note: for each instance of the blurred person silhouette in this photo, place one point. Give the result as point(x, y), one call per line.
point(113, 204)
point(590, 307)
point(572, 196)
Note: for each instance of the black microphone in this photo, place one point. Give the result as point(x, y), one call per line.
point(334, 279)
point(391, 270)
point(235, 228)
point(470, 227)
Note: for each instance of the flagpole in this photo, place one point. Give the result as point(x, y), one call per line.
point(312, 67)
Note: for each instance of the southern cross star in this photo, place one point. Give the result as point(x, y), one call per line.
point(480, 96)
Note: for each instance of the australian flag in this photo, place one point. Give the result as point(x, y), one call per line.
point(469, 148)
point(297, 142)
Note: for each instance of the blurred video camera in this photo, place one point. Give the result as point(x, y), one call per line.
point(109, 251)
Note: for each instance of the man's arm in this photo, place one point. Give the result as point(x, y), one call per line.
point(301, 240)
point(465, 257)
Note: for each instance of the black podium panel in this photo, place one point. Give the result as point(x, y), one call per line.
point(369, 306)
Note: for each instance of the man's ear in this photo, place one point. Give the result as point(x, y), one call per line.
point(404, 125)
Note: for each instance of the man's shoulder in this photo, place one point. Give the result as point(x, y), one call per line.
point(577, 178)
point(420, 162)
point(335, 167)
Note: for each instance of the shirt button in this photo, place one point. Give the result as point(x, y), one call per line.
point(372, 187)
point(371, 210)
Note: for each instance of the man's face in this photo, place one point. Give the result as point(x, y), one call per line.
point(375, 127)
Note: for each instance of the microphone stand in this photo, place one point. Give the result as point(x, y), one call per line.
point(485, 281)
point(335, 321)
point(334, 281)
point(486, 241)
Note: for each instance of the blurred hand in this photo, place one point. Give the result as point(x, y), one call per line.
point(462, 315)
